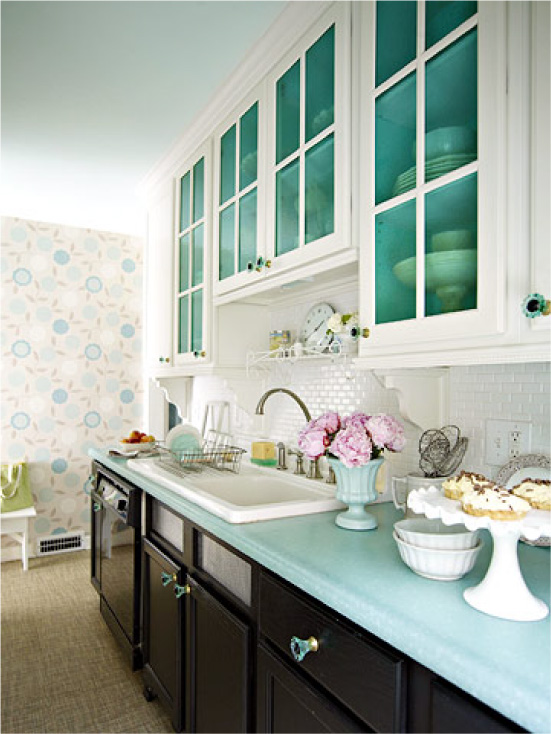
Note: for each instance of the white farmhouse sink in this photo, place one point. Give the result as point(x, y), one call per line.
point(252, 495)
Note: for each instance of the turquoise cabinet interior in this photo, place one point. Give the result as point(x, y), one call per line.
point(237, 198)
point(191, 258)
point(424, 225)
point(304, 147)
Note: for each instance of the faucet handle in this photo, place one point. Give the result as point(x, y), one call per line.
point(299, 469)
point(314, 469)
point(281, 456)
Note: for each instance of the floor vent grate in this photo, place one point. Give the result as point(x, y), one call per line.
point(60, 544)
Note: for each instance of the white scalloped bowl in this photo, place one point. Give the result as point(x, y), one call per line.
point(432, 533)
point(436, 564)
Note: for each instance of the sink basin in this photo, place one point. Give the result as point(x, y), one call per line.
point(252, 495)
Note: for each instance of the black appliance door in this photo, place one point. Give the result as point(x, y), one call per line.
point(117, 567)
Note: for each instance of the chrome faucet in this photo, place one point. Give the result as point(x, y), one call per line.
point(262, 401)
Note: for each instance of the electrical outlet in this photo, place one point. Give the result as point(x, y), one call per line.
point(505, 440)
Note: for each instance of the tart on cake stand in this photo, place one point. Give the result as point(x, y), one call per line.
point(502, 592)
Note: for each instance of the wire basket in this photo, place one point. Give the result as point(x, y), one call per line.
point(215, 453)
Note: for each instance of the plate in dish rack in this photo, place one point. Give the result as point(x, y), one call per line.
point(529, 466)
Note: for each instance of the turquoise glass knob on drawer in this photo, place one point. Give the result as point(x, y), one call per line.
point(166, 578)
point(536, 305)
point(181, 590)
point(97, 507)
point(301, 648)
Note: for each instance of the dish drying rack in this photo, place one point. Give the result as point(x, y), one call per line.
point(217, 452)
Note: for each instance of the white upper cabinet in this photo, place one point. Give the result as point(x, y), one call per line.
point(443, 270)
point(282, 182)
point(192, 260)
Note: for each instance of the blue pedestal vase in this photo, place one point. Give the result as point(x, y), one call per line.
point(356, 487)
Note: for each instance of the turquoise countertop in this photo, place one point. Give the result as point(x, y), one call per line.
point(360, 575)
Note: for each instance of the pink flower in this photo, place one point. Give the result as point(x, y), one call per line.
point(356, 419)
point(386, 432)
point(313, 441)
point(352, 446)
point(329, 422)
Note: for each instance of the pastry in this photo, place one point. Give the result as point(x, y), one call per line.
point(494, 502)
point(535, 491)
point(455, 487)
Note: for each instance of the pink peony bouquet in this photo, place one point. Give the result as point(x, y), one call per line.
point(355, 440)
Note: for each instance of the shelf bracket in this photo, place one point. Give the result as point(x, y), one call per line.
point(423, 395)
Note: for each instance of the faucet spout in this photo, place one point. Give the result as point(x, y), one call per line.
point(300, 403)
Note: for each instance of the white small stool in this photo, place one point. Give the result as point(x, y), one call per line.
point(16, 524)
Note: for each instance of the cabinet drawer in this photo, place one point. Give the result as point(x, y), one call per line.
point(366, 677)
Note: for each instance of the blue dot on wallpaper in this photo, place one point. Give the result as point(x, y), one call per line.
point(89, 312)
point(18, 234)
point(47, 354)
point(92, 419)
point(116, 291)
point(61, 257)
point(44, 243)
point(92, 352)
point(60, 326)
point(127, 396)
point(21, 349)
point(59, 466)
point(115, 423)
point(113, 253)
point(72, 411)
point(112, 318)
point(43, 313)
point(43, 383)
point(111, 384)
point(42, 525)
point(72, 342)
point(94, 284)
point(115, 356)
point(18, 306)
point(16, 378)
point(46, 494)
point(46, 424)
point(91, 244)
point(127, 330)
point(88, 379)
point(72, 479)
point(48, 284)
point(42, 454)
point(59, 531)
point(128, 265)
point(60, 396)
point(20, 421)
point(74, 273)
point(22, 276)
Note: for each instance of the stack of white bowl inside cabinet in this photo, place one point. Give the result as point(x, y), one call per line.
point(434, 550)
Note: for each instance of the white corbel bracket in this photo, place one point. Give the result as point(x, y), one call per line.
point(423, 395)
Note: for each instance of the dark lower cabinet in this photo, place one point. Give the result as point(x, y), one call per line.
point(163, 632)
point(287, 704)
point(220, 675)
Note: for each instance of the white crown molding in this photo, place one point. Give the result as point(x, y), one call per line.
point(284, 32)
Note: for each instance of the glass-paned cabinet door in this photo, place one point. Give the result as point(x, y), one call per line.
point(430, 196)
point(308, 164)
point(238, 196)
point(192, 260)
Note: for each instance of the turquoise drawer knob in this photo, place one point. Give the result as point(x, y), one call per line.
point(301, 648)
point(181, 590)
point(536, 305)
point(166, 578)
point(97, 507)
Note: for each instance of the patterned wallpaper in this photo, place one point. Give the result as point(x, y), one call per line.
point(71, 358)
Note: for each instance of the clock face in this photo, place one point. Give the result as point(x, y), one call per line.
point(314, 328)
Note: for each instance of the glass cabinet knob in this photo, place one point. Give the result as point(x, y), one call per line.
point(250, 266)
point(181, 590)
point(164, 359)
point(536, 305)
point(167, 578)
point(198, 354)
point(301, 648)
point(97, 507)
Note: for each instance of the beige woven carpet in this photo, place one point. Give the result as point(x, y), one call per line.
point(62, 671)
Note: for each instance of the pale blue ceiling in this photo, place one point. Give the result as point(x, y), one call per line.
point(94, 93)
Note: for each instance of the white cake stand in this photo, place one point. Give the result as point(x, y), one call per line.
point(503, 591)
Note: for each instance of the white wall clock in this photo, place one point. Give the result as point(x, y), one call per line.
point(314, 328)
